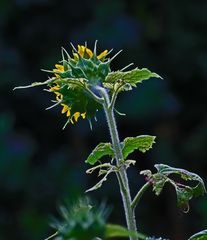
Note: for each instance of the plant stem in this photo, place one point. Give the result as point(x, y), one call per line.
point(121, 175)
point(139, 195)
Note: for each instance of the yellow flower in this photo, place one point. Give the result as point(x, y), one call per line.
point(102, 55)
point(59, 69)
point(66, 110)
point(85, 52)
point(76, 115)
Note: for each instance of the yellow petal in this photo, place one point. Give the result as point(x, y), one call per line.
point(89, 52)
point(71, 120)
point(55, 88)
point(68, 112)
point(81, 50)
point(103, 54)
point(76, 116)
point(65, 108)
point(59, 67)
point(83, 115)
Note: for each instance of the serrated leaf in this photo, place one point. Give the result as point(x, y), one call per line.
point(143, 143)
point(199, 236)
point(114, 230)
point(115, 76)
point(132, 77)
point(102, 149)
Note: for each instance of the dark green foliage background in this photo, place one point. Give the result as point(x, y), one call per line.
point(42, 166)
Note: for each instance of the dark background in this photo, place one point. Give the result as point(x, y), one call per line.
point(42, 166)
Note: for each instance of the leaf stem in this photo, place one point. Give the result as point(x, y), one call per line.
point(139, 195)
point(114, 96)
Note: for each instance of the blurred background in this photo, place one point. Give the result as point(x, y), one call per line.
point(42, 166)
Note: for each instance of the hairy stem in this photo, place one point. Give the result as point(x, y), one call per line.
point(121, 175)
point(139, 195)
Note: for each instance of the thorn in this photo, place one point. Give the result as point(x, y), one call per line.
point(65, 125)
point(44, 70)
point(111, 59)
point(109, 52)
point(47, 90)
point(52, 236)
point(62, 53)
point(63, 50)
point(73, 47)
point(95, 48)
point(54, 105)
point(127, 66)
point(90, 124)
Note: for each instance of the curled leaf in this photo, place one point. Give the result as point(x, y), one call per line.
point(184, 192)
point(99, 184)
point(101, 150)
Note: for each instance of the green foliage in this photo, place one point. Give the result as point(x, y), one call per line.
point(114, 230)
point(101, 150)
point(199, 236)
point(184, 192)
point(84, 221)
point(18, 57)
point(143, 143)
point(81, 221)
point(132, 77)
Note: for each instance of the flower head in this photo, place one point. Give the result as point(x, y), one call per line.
point(78, 79)
point(75, 78)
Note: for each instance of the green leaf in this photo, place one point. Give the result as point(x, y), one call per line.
point(102, 149)
point(199, 236)
point(198, 190)
point(143, 143)
point(184, 195)
point(133, 77)
point(184, 192)
point(115, 76)
point(113, 230)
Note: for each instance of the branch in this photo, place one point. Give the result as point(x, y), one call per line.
point(114, 96)
point(139, 195)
